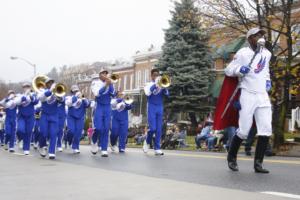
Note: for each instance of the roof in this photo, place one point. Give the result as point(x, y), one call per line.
point(232, 47)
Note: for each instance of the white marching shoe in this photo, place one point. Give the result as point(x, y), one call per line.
point(158, 152)
point(51, 156)
point(35, 146)
point(76, 151)
point(26, 153)
point(146, 147)
point(114, 148)
point(94, 149)
point(104, 154)
point(59, 149)
point(11, 150)
point(43, 151)
point(20, 144)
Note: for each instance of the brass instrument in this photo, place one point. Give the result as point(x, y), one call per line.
point(164, 81)
point(38, 82)
point(128, 99)
point(114, 78)
point(60, 90)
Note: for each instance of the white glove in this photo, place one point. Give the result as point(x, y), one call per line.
point(52, 87)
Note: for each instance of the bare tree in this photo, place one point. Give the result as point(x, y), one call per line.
point(281, 20)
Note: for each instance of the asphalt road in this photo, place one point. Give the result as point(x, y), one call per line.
point(187, 169)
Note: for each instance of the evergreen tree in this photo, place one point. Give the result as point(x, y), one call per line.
point(186, 58)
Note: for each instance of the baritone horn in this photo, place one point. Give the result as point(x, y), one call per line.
point(60, 90)
point(38, 82)
point(164, 81)
point(128, 99)
point(114, 78)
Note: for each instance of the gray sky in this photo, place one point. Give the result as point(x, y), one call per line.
point(66, 32)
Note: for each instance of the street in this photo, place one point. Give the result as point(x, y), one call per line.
point(134, 175)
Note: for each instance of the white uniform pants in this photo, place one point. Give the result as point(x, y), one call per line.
point(259, 106)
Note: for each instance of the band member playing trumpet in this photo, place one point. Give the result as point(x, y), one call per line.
point(49, 118)
point(103, 91)
point(120, 107)
point(10, 107)
point(76, 114)
point(155, 94)
point(25, 118)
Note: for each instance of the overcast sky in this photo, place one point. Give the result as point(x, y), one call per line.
point(66, 32)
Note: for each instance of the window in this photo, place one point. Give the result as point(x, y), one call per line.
point(125, 82)
point(131, 81)
point(296, 38)
point(146, 75)
point(274, 37)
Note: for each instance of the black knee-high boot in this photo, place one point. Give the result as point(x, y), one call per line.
point(232, 153)
point(261, 147)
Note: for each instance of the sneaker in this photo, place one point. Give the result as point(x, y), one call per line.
point(114, 148)
point(146, 147)
point(76, 151)
point(11, 150)
point(122, 151)
point(59, 149)
point(104, 154)
point(51, 156)
point(43, 151)
point(26, 153)
point(94, 149)
point(158, 152)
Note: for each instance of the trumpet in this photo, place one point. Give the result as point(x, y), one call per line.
point(164, 81)
point(128, 100)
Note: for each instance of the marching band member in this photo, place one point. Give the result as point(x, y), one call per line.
point(103, 90)
point(49, 119)
point(25, 117)
point(155, 96)
point(251, 65)
point(10, 107)
point(76, 114)
point(61, 123)
point(36, 129)
point(119, 122)
point(2, 122)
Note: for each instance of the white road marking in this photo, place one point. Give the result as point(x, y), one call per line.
point(293, 196)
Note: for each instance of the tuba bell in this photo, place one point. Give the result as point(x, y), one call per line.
point(164, 81)
point(38, 82)
point(60, 90)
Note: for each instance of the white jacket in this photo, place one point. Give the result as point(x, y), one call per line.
point(255, 80)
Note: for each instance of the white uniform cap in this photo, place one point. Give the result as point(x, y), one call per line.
point(74, 88)
point(48, 80)
point(103, 70)
point(26, 85)
point(253, 31)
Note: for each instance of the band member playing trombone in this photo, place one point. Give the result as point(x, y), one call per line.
point(103, 91)
point(120, 107)
point(49, 118)
point(10, 107)
point(76, 114)
point(155, 93)
point(25, 118)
